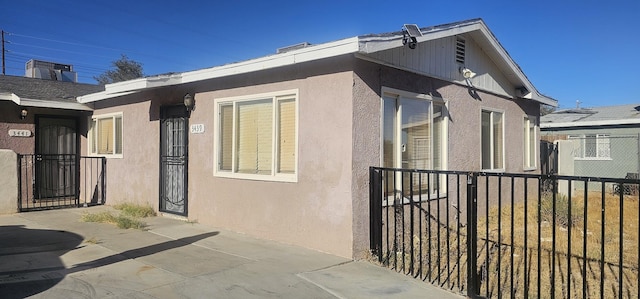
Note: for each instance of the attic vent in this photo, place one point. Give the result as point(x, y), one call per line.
point(460, 50)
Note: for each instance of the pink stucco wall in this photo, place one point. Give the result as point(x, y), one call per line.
point(327, 208)
point(313, 212)
point(10, 120)
point(463, 140)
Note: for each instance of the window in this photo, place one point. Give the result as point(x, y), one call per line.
point(591, 146)
point(492, 140)
point(414, 130)
point(105, 135)
point(529, 145)
point(257, 137)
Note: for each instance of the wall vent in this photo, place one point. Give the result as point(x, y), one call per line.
point(460, 50)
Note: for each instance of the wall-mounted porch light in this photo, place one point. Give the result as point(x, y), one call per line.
point(189, 103)
point(23, 113)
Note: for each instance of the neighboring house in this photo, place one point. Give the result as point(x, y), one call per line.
point(279, 147)
point(603, 140)
point(42, 117)
point(49, 107)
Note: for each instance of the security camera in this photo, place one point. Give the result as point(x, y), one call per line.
point(467, 73)
point(411, 41)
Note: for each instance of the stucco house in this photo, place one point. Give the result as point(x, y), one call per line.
point(279, 147)
point(38, 105)
point(42, 121)
point(603, 141)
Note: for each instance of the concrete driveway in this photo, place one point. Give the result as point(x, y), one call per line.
point(52, 254)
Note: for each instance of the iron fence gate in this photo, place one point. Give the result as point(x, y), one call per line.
point(498, 235)
point(57, 181)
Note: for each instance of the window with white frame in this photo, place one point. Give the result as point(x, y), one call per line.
point(492, 140)
point(257, 137)
point(529, 145)
point(591, 146)
point(414, 137)
point(105, 135)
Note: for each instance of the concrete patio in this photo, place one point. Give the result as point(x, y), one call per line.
point(52, 254)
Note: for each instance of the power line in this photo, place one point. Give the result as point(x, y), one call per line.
point(60, 50)
point(143, 54)
point(71, 43)
point(4, 72)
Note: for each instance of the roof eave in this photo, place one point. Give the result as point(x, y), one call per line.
point(26, 102)
point(340, 47)
point(375, 44)
point(595, 123)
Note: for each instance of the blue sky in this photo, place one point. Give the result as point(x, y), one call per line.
point(570, 50)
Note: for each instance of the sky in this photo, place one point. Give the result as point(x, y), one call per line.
point(586, 51)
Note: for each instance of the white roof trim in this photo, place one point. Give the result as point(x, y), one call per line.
point(595, 123)
point(93, 97)
point(376, 44)
point(7, 96)
point(332, 49)
point(43, 103)
point(352, 45)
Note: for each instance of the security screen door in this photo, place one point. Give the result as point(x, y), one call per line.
point(174, 139)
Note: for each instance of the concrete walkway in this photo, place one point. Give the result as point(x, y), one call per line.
point(52, 254)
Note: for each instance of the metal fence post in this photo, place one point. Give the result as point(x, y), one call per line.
point(103, 180)
point(375, 212)
point(473, 287)
point(20, 157)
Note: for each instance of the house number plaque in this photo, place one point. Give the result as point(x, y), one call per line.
point(197, 128)
point(20, 133)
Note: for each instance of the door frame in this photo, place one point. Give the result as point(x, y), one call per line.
point(163, 116)
point(76, 122)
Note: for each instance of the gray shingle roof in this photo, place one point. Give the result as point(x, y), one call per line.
point(595, 114)
point(49, 90)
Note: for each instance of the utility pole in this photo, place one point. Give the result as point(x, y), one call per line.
point(3, 65)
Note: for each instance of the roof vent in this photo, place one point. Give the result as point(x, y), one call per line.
point(292, 47)
point(460, 50)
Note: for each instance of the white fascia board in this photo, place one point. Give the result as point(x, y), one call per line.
point(533, 92)
point(143, 83)
point(336, 48)
point(7, 96)
point(54, 104)
point(332, 49)
point(595, 123)
point(377, 44)
point(93, 97)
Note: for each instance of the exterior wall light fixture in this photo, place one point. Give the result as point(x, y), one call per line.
point(467, 73)
point(23, 113)
point(189, 102)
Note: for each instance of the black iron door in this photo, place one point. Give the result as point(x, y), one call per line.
point(174, 139)
point(56, 159)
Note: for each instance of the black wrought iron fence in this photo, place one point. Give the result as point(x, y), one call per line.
point(498, 235)
point(55, 181)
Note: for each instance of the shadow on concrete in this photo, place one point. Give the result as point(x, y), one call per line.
point(30, 258)
point(139, 252)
